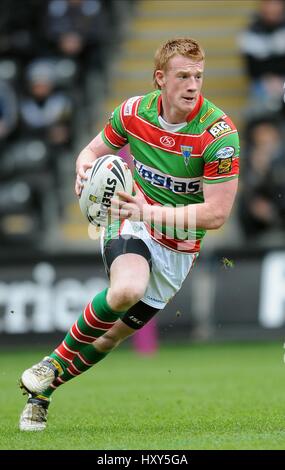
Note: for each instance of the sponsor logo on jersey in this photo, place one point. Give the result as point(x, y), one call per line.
point(225, 165)
point(174, 184)
point(152, 98)
point(128, 108)
point(207, 114)
point(225, 152)
point(219, 128)
point(186, 152)
point(167, 141)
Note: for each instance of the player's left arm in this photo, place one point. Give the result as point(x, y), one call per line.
point(221, 170)
point(213, 212)
point(209, 215)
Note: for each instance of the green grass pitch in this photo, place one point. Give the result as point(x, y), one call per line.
point(228, 396)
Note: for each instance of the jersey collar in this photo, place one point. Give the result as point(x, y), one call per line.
point(191, 115)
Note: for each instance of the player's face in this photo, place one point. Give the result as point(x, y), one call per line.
point(181, 85)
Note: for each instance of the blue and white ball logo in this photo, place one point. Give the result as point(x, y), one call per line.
point(225, 152)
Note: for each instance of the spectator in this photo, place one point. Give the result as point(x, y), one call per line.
point(78, 29)
point(8, 110)
point(46, 112)
point(262, 202)
point(263, 47)
point(20, 36)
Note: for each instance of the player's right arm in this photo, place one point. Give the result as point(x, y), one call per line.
point(110, 140)
point(95, 149)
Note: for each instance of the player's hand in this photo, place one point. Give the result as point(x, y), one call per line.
point(127, 207)
point(81, 168)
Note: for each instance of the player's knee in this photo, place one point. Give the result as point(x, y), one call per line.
point(125, 297)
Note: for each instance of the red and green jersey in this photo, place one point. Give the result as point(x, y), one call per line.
point(172, 167)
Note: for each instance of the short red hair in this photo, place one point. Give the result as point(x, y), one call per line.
point(186, 47)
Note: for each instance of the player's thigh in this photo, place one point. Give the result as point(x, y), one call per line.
point(130, 271)
point(127, 261)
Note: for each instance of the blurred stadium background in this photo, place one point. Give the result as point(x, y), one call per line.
point(64, 66)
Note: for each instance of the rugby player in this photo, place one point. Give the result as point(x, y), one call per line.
point(186, 171)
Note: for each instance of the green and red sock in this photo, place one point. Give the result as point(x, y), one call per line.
point(95, 320)
point(76, 353)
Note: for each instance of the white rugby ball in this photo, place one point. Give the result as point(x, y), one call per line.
point(108, 175)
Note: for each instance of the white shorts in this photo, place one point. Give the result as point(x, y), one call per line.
point(169, 268)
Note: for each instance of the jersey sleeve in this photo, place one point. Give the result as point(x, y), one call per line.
point(221, 157)
point(114, 134)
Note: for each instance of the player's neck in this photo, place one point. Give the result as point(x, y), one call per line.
point(171, 115)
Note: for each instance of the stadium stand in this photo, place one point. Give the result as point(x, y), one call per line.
point(261, 202)
point(52, 68)
point(262, 45)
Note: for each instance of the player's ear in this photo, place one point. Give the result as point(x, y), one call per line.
point(160, 78)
